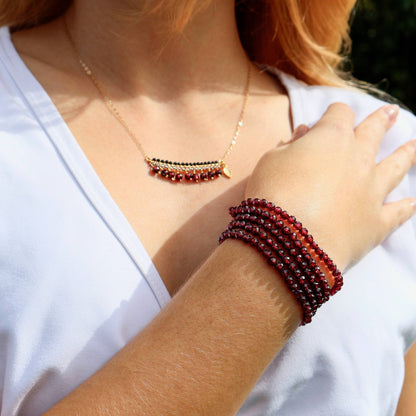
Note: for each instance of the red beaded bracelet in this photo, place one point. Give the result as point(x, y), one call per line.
point(288, 247)
point(290, 224)
point(290, 254)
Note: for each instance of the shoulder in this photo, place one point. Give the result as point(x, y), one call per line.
point(309, 102)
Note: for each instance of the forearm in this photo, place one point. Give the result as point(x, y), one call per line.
point(407, 402)
point(204, 352)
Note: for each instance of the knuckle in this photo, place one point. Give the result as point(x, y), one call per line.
point(403, 213)
point(368, 129)
point(396, 168)
point(374, 124)
point(368, 159)
point(384, 228)
point(339, 126)
point(343, 108)
point(406, 154)
point(338, 118)
point(411, 151)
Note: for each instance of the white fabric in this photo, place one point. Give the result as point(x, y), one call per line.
point(76, 284)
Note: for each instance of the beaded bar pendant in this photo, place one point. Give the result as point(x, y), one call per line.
point(188, 172)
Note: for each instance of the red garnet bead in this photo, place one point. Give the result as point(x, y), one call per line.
point(284, 215)
point(156, 169)
point(291, 219)
point(171, 175)
point(204, 176)
point(188, 176)
point(196, 177)
point(307, 257)
point(304, 232)
point(246, 238)
point(265, 214)
point(263, 235)
point(298, 225)
point(165, 173)
point(272, 261)
point(249, 228)
point(309, 239)
point(179, 176)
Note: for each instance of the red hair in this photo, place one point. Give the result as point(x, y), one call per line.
point(305, 38)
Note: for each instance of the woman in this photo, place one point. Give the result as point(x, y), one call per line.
point(88, 324)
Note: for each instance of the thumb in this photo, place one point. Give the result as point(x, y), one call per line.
point(299, 132)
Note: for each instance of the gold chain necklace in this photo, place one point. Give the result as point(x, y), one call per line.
point(190, 172)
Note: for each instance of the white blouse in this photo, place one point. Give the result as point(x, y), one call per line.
point(76, 284)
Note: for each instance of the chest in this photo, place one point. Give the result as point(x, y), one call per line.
point(177, 223)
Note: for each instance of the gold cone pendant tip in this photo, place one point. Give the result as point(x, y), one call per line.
point(188, 172)
point(226, 171)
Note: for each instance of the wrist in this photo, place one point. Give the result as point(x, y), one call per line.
point(309, 273)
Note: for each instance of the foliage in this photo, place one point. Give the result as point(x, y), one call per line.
point(384, 46)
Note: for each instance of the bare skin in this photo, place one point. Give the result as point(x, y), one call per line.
point(407, 402)
point(177, 103)
point(193, 124)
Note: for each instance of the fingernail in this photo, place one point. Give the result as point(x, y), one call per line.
point(392, 111)
point(413, 204)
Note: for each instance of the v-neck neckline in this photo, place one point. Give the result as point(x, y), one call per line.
point(44, 110)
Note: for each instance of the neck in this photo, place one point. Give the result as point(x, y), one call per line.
point(139, 56)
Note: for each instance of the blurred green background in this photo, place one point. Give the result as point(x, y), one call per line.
point(384, 46)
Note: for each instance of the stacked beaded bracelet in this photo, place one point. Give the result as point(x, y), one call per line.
point(289, 248)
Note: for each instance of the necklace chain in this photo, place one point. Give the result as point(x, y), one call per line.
point(196, 171)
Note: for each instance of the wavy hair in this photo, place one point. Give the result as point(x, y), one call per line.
point(308, 39)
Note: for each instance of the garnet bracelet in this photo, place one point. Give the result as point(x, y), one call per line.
point(289, 248)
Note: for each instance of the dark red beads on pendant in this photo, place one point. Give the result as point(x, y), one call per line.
point(188, 172)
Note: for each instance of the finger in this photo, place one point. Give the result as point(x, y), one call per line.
point(372, 129)
point(391, 170)
point(339, 117)
point(299, 132)
point(394, 214)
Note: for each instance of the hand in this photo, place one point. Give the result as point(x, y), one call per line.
point(328, 178)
